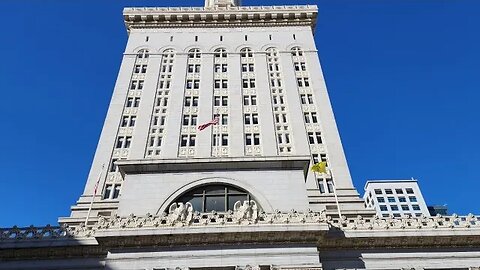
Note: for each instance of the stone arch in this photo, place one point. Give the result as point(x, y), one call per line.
point(169, 47)
point(293, 45)
point(143, 47)
point(257, 195)
point(216, 47)
point(243, 46)
point(191, 47)
point(271, 45)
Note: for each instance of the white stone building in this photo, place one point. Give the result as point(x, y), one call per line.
point(256, 69)
point(396, 198)
point(238, 194)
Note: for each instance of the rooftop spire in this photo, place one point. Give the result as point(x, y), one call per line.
point(221, 3)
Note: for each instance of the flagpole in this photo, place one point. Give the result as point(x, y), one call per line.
point(93, 196)
point(335, 193)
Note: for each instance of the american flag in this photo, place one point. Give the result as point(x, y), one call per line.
point(204, 126)
point(98, 181)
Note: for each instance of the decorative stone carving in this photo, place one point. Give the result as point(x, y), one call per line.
point(246, 212)
point(248, 267)
point(180, 214)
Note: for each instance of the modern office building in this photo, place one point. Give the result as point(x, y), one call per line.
point(396, 198)
point(216, 118)
point(438, 210)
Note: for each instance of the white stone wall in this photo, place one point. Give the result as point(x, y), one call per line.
point(233, 40)
point(153, 193)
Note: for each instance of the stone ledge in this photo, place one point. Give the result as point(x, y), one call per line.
point(242, 16)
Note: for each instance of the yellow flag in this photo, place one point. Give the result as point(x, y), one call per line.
point(320, 167)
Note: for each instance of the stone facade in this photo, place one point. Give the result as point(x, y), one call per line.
point(238, 193)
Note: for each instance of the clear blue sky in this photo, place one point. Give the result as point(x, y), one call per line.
point(403, 76)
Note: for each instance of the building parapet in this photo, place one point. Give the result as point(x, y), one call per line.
point(173, 222)
point(235, 16)
point(245, 225)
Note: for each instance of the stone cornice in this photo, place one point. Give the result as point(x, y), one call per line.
point(212, 164)
point(242, 16)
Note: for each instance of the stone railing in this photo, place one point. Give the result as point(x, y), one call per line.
point(246, 216)
point(32, 232)
point(410, 223)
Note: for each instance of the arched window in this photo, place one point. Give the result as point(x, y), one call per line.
point(194, 53)
point(220, 53)
point(246, 52)
point(272, 52)
point(220, 198)
point(169, 53)
point(296, 51)
point(142, 53)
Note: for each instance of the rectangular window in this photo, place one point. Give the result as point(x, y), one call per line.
point(133, 119)
point(415, 207)
point(133, 85)
point(124, 121)
point(252, 139)
point(128, 141)
point(330, 186)
point(113, 167)
point(402, 199)
point(108, 192)
point(188, 101)
point(388, 191)
point(314, 137)
point(391, 199)
point(116, 191)
point(405, 207)
point(251, 118)
point(394, 207)
point(187, 140)
point(321, 186)
point(399, 191)
point(383, 208)
point(120, 142)
point(224, 139)
point(193, 84)
point(184, 140)
point(378, 191)
point(136, 102)
point(380, 199)
point(194, 101)
point(129, 102)
point(303, 66)
point(412, 198)
point(409, 190)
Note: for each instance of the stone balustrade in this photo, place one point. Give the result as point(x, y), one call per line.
point(238, 218)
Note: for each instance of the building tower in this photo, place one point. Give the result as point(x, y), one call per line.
point(256, 70)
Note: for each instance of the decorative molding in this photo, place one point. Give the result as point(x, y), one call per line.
point(244, 225)
point(234, 16)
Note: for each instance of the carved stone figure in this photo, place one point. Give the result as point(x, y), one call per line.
point(180, 213)
point(246, 212)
